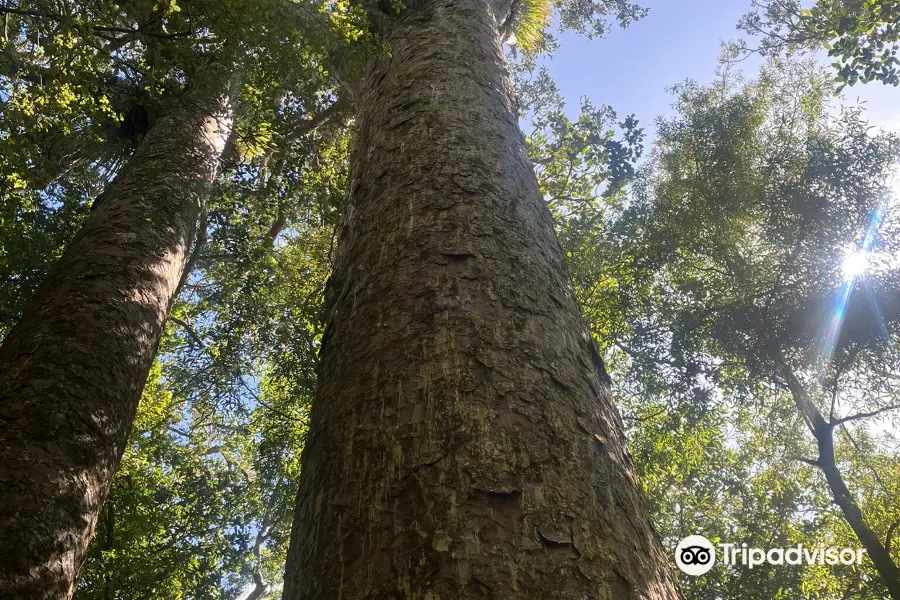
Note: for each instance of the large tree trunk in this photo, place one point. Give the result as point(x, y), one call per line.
point(72, 370)
point(464, 441)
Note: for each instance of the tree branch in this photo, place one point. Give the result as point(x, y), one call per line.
point(888, 539)
point(260, 587)
point(309, 125)
point(195, 254)
point(95, 28)
point(807, 409)
point(195, 337)
point(276, 228)
point(864, 415)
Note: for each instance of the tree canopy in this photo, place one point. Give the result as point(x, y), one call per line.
point(742, 267)
point(862, 35)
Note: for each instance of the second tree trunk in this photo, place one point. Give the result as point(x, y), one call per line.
point(72, 370)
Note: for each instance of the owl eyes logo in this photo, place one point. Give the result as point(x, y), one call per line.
point(695, 555)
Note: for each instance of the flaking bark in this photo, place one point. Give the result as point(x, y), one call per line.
point(73, 369)
point(464, 442)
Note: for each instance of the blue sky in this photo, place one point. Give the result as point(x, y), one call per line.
point(630, 69)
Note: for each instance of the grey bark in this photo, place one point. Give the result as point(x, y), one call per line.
point(464, 441)
point(73, 369)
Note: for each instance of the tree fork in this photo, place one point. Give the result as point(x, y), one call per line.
point(823, 432)
point(878, 553)
point(464, 442)
point(73, 369)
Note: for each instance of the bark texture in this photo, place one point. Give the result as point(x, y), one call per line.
point(73, 369)
point(464, 441)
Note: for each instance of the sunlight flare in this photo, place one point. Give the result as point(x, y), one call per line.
point(855, 265)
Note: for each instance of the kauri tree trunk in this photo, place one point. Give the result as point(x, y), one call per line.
point(464, 442)
point(72, 370)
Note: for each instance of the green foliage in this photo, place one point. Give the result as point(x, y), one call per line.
point(179, 516)
point(730, 248)
point(698, 270)
point(863, 35)
point(36, 227)
point(591, 18)
point(864, 38)
point(527, 24)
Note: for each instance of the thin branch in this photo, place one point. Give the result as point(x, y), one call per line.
point(180, 432)
point(886, 375)
point(864, 415)
point(213, 450)
point(834, 391)
point(618, 344)
point(189, 330)
point(653, 415)
point(888, 539)
point(276, 228)
point(309, 125)
point(195, 254)
point(263, 403)
point(98, 29)
point(859, 450)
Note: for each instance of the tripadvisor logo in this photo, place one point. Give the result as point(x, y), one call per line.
point(695, 555)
